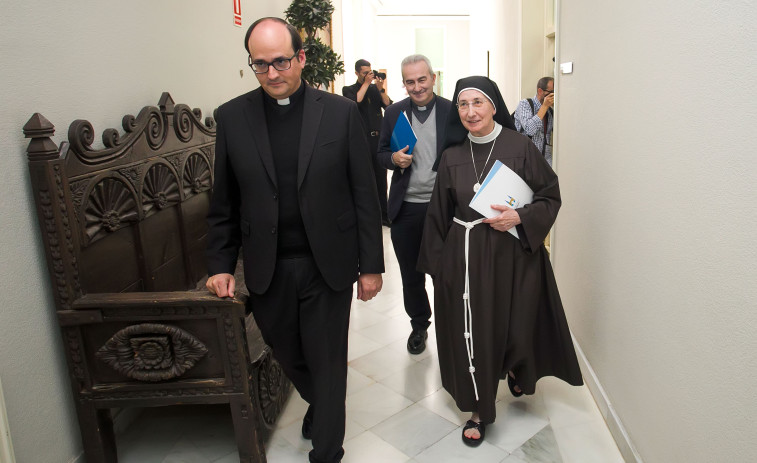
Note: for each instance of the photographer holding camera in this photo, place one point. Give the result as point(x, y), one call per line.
point(371, 99)
point(534, 116)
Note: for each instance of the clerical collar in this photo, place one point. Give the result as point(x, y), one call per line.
point(429, 106)
point(422, 112)
point(486, 138)
point(293, 98)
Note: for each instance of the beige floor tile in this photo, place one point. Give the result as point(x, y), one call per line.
point(374, 404)
point(397, 411)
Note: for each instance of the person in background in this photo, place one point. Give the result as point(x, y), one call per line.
point(412, 183)
point(497, 308)
point(371, 100)
point(534, 117)
point(305, 212)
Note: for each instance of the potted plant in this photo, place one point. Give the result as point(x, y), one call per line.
point(322, 64)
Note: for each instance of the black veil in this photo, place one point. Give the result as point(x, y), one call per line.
point(455, 132)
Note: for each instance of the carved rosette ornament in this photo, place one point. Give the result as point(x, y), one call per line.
point(111, 206)
point(160, 189)
point(272, 390)
point(152, 352)
point(196, 175)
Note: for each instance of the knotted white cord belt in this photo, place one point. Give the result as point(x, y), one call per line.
point(466, 302)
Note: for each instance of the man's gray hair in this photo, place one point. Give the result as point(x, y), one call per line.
point(412, 59)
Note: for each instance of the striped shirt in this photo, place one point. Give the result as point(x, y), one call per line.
point(530, 124)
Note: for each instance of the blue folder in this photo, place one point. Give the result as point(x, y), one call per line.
point(403, 134)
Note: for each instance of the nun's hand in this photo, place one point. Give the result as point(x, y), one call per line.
point(507, 219)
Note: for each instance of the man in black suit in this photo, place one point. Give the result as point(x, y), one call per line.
point(412, 184)
point(294, 188)
point(371, 100)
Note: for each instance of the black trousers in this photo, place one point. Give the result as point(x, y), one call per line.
point(380, 173)
point(305, 322)
point(407, 231)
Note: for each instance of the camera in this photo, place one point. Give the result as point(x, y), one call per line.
point(379, 75)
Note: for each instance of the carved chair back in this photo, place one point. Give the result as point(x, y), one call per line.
point(132, 214)
point(124, 232)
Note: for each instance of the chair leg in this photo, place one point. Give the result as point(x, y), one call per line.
point(97, 434)
point(248, 435)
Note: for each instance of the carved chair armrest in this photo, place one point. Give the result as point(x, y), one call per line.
point(89, 308)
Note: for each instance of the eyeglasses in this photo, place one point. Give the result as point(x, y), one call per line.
point(464, 105)
point(261, 67)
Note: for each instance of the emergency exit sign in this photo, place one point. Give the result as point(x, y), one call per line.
point(238, 13)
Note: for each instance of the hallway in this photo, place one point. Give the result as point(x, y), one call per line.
point(397, 410)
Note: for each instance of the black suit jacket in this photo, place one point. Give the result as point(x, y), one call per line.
point(371, 106)
point(401, 179)
point(337, 194)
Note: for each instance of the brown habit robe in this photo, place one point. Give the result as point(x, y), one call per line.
point(518, 319)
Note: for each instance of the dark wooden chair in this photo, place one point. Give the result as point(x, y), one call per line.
point(124, 232)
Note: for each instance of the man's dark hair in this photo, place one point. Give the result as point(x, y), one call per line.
point(360, 63)
point(296, 39)
point(544, 81)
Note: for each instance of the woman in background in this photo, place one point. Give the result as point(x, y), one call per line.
point(497, 307)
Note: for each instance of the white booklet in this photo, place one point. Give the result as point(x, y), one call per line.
point(501, 186)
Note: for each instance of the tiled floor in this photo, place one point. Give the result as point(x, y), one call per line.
point(397, 410)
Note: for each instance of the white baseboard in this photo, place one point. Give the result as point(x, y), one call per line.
point(6, 448)
point(619, 434)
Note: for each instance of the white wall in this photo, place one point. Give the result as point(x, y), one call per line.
point(358, 39)
point(98, 61)
point(510, 54)
point(654, 246)
point(495, 27)
point(398, 41)
point(383, 33)
point(337, 41)
point(532, 62)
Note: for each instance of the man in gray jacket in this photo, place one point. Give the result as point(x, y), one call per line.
point(412, 184)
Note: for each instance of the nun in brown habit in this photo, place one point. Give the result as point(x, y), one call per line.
point(508, 318)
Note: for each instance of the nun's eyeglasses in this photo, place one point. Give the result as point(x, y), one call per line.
point(464, 105)
point(261, 67)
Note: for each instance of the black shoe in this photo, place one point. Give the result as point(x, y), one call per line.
point(307, 424)
point(470, 424)
point(416, 343)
